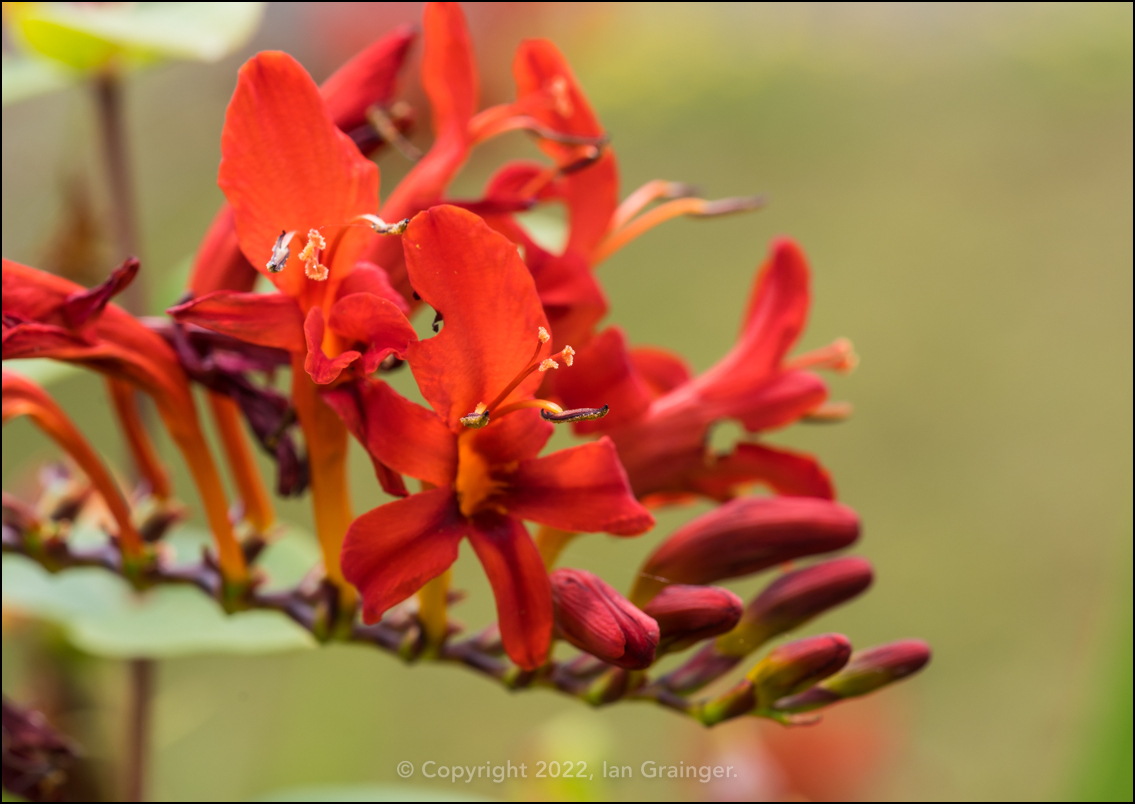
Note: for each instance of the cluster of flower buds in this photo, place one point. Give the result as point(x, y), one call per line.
point(517, 349)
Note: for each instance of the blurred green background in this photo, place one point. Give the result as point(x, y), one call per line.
point(961, 178)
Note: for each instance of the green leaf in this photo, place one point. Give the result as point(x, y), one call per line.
point(41, 370)
point(26, 76)
point(88, 36)
point(104, 616)
point(367, 792)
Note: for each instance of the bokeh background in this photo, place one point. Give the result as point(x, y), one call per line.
point(961, 178)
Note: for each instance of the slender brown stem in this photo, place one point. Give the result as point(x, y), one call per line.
point(123, 210)
point(138, 736)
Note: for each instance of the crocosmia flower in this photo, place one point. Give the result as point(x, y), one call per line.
point(476, 450)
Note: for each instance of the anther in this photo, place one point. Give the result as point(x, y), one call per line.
point(379, 226)
point(569, 355)
point(548, 364)
point(478, 418)
point(280, 252)
point(310, 255)
point(575, 415)
point(543, 335)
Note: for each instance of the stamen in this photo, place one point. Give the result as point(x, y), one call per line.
point(693, 207)
point(549, 407)
point(837, 356)
point(548, 364)
point(830, 413)
point(310, 255)
point(575, 415)
point(384, 124)
point(382, 227)
point(568, 355)
point(280, 252)
point(652, 191)
point(480, 416)
point(543, 335)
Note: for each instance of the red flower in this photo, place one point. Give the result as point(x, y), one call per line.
point(661, 415)
point(478, 446)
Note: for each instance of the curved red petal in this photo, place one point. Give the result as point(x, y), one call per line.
point(781, 401)
point(83, 305)
point(793, 474)
point(662, 369)
point(390, 552)
point(219, 263)
point(368, 78)
point(373, 321)
point(450, 80)
point(520, 585)
point(604, 374)
point(476, 280)
point(323, 369)
point(518, 436)
point(406, 437)
point(777, 312)
point(266, 319)
point(369, 278)
point(286, 167)
point(582, 489)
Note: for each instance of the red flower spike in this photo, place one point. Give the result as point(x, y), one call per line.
point(796, 666)
point(868, 670)
point(663, 445)
point(597, 619)
point(744, 536)
point(795, 598)
point(480, 443)
point(116, 344)
point(688, 614)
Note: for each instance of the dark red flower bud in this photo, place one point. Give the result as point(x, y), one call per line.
point(744, 536)
point(793, 599)
point(796, 666)
point(867, 671)
point(595, 618)
point(689, 614)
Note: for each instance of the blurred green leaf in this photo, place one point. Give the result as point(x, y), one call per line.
point(88, 36)
point(41, 370)
point(26, 76)
point(104, 616)
point(375, 792)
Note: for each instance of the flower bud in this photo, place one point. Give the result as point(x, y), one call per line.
point(867, 671)
point(795, 598)
point(689, 614)
point(595, 618)
point(744, 536)
point(796, 666)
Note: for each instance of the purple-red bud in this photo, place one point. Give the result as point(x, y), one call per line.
point(796, 666)
point(689, 614)
point(867, 671)
point(595, 618)
point(744, 536)
point(795, 598)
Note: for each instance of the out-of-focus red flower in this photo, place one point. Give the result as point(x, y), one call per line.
point(478, 445)
point(661, 414)
point(744, 536)
point(597, 619)
point(48, 316)
point(688, 614)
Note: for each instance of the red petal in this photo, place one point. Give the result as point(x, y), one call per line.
point(389, 553)
point(369, 278)
point(406, 437)
point(286, 167)
point(219, 263)
point(780, 402)
point(582, 489)
point(662, 370)
point(520, 585)
point(449, 77)
point(323, 370)
point(604, 374)
point(266, 319)
point(476, 280)
point(369, 78)
point(368, 319)
point(347, 402)
point(518, 436)
point(778, 310)
point(83, 305)
point(792, 474)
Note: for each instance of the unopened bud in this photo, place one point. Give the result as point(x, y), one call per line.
point(796, 666)
point(867, 671)
point(688, 614)
point(595, 618)
point(738, 700)
point(744, 536)
point(795, 598)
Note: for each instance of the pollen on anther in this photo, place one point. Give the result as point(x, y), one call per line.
point(549, 364)
point(543, 335)
point(569, 355)
point(310, 256)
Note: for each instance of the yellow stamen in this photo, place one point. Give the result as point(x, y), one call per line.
point(837, 356)
point(568, 355)
point(310, 256)
point(551, 407)
point(549, 364)
point(652, 191)
point(543, 335)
